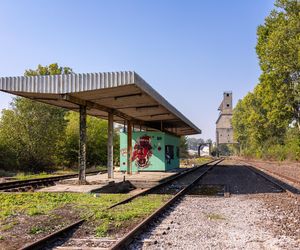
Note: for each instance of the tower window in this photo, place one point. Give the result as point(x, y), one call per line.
point(227, 105)
point(227, 94)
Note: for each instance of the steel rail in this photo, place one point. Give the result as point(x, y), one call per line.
point(129, 237)
point(37, 181)
point(39, 244)
point(169, 180)
point(267, 171)
point(290, 190)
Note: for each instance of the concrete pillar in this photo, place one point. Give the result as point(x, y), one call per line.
point(82, 145)
point(110, 146)
point(129, 147)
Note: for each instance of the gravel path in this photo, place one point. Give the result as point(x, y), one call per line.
point(238, 222)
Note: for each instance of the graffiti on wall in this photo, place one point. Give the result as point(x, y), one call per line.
point(142, 152)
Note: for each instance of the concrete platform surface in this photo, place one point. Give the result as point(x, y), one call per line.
point(61, 188)
point(141, 179)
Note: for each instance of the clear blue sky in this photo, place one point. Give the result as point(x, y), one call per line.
point(189, 51)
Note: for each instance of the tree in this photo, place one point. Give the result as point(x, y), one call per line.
point(96, 141)
point(193, 143)
point(33, 131)
point(263, 119)
point(183, 147)
point(278, 52)
point(52, 69)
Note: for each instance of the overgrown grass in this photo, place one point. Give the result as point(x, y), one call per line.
point(28, 176)
point(86, 205)
point(128, 213)
point(202, 160)
point(42, 203)
point(23, 176)
point(194, 161)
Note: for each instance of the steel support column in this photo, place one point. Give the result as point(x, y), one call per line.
point(129, 147)
point(82, 145)
point(110, 146)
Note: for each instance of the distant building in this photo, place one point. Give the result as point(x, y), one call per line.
point(192, 152)
point(224, 130)
point(204, 150)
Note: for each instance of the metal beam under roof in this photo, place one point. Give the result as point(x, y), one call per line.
point(124, 94)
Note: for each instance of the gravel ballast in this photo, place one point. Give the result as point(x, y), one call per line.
point(238, 222)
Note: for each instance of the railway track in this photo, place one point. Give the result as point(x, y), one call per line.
point(276, 174)
point(129, 237)
point(44, 242)
point(133, 234)
point(178, 186)
point(285, 187)
point(167, 228)
point(26, 185)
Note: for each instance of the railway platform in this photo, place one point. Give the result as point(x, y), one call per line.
point(101, 181)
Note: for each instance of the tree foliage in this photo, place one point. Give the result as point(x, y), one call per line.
point(96, 141)
point(264, 119)
point(183, 147)
point(35, 136)
point(32, 131)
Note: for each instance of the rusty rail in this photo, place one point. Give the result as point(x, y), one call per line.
point(39, 244)
point(38, 181)
point(42, 242)
point(129, 237)
point(290, 190)
point(169, 180)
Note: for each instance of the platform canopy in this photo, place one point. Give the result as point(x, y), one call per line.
point(124, 94)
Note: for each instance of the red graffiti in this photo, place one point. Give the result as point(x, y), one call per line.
point(142, 151)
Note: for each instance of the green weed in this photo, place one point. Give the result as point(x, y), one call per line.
point(86, 205)
point(127, 213)
point(36, 230)
point(43, 203)
point(101, 230)
point(28, 176)
point(8, 226)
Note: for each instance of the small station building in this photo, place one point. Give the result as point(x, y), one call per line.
point(151, 151)
point(152, 126)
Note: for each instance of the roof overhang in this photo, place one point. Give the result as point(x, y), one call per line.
point(125, 94)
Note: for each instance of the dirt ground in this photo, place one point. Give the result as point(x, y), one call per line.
point(22, 229)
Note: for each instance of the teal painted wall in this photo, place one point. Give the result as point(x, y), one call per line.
point(149, 150)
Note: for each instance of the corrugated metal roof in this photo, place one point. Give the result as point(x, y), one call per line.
point(90, 88)
point(68, 83)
